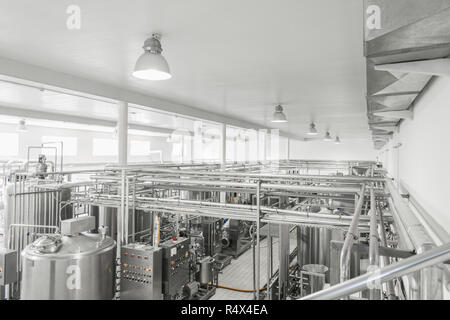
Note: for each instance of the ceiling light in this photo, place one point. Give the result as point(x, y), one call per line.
point(312, 130)
point(337, 141)
point(22, 127)
point(278, 115)
point(328, 137)
point(151, 65)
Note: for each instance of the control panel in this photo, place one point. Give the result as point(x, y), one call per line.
point(175, 266)
point(141, 273)
point(8, 266)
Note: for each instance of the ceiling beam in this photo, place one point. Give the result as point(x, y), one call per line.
point(33, 114)
point(433, 67)
point(11, 70)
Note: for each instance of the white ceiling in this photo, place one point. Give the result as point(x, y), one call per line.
point(236, 58)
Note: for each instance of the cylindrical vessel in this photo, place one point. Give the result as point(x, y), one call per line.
point(313, 245)
point(206, 270)
point(76, 267)
point(107, 217)
point(29, 203)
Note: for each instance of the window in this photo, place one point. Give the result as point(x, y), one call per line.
point(9, 144)
point(69, 145)
point(140, 148)
point(105, 147)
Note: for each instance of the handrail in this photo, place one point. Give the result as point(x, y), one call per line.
point(417, 262)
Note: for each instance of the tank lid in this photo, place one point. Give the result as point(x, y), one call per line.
point(47, 243)
point(65, 246)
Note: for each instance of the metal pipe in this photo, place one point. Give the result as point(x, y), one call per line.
point(390, 283)
point(373, 240)
point(351, 234)
point(373, 243)
point(406, 266)
point(258, 252)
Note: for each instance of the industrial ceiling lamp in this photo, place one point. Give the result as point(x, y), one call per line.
point(337, 141)
point(151, 65)
point(22, 127)
point(328, 137)
point(312, 130)
point(278, 115)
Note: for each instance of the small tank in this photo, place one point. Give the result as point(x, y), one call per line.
point(69, 267)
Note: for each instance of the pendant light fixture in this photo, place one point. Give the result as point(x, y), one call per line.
point(151, 65)
point(278, 115)
point(312, 130)
point(327, 137)
point(22, 127)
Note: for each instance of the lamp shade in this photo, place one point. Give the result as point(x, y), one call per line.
point(21, 127)
point(328, 137)
point(278, 115)
point(152, 66)
point(312, 130)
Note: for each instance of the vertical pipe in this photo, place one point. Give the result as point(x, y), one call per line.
point(269, 262)
point(127, 209)
point(258, 253)
point(123, 133)
point(373, 240)
point(390, 283)
point(223, 155)
point(351, 234)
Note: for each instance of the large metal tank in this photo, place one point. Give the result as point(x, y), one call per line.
point(30, 203)
point(313, 245)
point(107, 216)
point(69, 267)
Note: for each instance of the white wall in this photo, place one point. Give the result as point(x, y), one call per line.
point(324, 150)
point(424, 155)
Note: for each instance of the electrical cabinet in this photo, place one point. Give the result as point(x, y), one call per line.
point(141, 272)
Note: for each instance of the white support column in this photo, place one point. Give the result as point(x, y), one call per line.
point(123, 133)
point(223, 137)
point(288, 149)
point(223, 155)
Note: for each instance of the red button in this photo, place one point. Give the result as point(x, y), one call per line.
point(139, 257)
point(126, 254)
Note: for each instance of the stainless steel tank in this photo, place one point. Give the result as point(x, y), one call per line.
point(206, 274)
point(313, 245)
point(107, 216)
point(75, 267)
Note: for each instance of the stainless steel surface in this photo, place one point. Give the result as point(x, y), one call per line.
point(77, 267)
point(77, 225)
point(206, 270)
point(8, 266)
point(141, 272)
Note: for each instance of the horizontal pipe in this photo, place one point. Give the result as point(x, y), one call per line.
point(415, 263)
